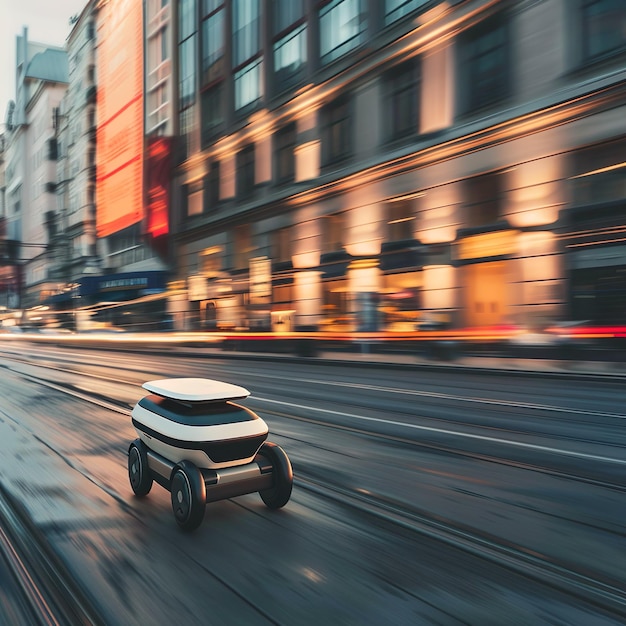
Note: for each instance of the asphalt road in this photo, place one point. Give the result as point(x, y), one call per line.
point(421, 497)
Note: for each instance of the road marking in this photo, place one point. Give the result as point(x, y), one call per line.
point(443, 431)
point(449, 396)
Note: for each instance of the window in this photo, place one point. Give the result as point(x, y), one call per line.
point(599, 173)
point(485, 66)
point(242, 244)
point(186, 55)
point(186, 129)
point(333, 227)
point(187, 71)
point(281, 245)
point(248, 85)
point(246, 53)
point(396, 9)
point(285, 140)
point(289, 58)
point(289, 42)
point(604, 27)
point(212, 112)
point(483, 198)
point(53, 151)
point(400, 220)
point(402, 100)
point(286, 14)
point(336, 130)
point(246, 30)
point(194, 198)
point(213, 45)
point(342, 28)
point(208, 6)
point(245, 171)
point(186, 19)
point(212, 187)
point(163, 37)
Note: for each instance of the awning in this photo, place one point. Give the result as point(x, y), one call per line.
point(335, 264)
point(405, 254)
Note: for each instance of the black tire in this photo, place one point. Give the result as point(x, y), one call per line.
point(188, 493)
point(278, 495)
point(138, 471)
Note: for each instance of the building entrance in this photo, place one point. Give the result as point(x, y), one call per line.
point(486, 288)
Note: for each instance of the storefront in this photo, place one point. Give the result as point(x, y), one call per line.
point(596, 257)
point(128, 300)
point(483, 262)
point(402, 283)
point(336, 306)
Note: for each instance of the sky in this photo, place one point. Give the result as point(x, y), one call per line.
point(47, 22)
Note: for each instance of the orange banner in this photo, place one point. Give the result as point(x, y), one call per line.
point(119, 156)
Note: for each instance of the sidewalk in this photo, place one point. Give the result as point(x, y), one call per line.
point(360, 353)
point(365, 357)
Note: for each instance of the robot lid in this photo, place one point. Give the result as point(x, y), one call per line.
point(196, 389)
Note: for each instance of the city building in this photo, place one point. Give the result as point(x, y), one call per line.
point(8, 270)
point(130, 231)
point(72, 226)
point(368, 164)
point(41, 75)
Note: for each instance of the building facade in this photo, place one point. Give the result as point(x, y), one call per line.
point(368, 164)
point(72, 227)
point(41, 80)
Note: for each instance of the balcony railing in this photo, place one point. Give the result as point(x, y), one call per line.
point(159, 74)
point(159, 20)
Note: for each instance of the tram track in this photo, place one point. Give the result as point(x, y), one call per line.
point(50, 595)
point(491, 404)
point(603, 595)
point(515, 557)
point(122, 407)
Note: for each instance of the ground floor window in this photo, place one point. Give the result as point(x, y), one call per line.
point(336, 312)
point(400, 301)
point(598, 295)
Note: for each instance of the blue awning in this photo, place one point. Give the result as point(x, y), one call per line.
point(133, 283)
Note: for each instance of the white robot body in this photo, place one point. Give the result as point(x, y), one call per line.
point(199, 444)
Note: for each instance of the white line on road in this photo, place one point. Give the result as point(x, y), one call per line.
point(443, 431)
point(449, 396)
